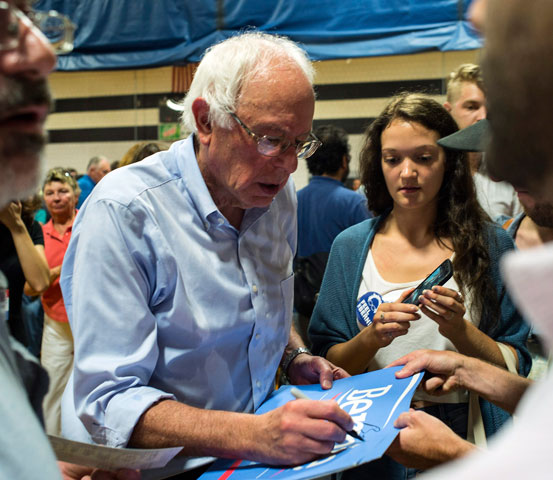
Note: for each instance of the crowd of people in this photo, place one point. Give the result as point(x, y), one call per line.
point(167, 285)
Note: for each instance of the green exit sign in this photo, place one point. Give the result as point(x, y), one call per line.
point(169, 131)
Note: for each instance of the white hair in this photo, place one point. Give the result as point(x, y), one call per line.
point(227, 66)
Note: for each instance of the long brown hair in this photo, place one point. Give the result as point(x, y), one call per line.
point(459, 215)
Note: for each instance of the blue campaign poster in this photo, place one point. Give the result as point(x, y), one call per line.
point(374, 400)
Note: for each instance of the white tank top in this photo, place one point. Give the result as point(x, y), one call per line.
point(423, 333)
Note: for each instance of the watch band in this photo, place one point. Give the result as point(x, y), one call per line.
point(290, 358)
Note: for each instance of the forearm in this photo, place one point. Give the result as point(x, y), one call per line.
point(201, 432)
point(31, 258)
point(354, 355)
point(471, 341)
point(54, 275)
point(495, 384)
point(294, 341)
point(292, 434)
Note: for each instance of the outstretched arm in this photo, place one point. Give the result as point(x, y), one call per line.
point(446, 307)
point(451, 371)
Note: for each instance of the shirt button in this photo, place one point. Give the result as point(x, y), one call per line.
point(258, 383)
point(206, 225)
point(221, 221)
point(267, 315)
point(254, 288)
point(257, 336)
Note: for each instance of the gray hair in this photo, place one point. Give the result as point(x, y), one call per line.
point(94, 161)
point(227, 66)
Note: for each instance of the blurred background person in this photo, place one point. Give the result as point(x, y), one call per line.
point(31, 306)
point(73, 172)
point(466, 102)
point(97, 168)
point(21, 259)
point(60, 196)
point(325, 208)
point(140, 151)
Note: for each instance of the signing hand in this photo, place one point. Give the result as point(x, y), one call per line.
point(300, 431)
point(446, 307)
point(306, 369)
point(425, 441)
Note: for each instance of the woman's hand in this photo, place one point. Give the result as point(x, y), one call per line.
point(11, 215)
point(392, 320)
point(446, 307)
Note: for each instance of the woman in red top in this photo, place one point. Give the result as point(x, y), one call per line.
point(60, 196)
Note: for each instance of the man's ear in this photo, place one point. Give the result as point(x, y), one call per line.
point(447, 106)
point(345, 161)
point(200, 110)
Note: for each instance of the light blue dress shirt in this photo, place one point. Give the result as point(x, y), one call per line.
point(167, 300)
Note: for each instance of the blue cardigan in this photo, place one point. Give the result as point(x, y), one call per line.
point(334, 319)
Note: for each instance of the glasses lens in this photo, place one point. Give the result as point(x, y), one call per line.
point(306, 149)
point(9, 27)
point(57, 28)
point(270, 146)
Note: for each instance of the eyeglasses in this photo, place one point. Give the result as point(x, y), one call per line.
point(57, 28)
point(275, 146)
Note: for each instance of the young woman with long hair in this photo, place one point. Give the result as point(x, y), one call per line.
point(426, 212)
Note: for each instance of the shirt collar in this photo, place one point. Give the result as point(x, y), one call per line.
point(189, 170)
point(48, 229)
point(320, 178)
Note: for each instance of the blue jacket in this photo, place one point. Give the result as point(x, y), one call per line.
point(86, 184)
point(334, 319)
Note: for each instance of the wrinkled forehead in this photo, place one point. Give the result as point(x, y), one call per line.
point(57, 183)
point(281, 81)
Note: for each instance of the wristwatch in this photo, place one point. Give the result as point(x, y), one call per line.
point(290, 358)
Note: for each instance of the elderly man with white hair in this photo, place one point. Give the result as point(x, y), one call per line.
point(178, 279)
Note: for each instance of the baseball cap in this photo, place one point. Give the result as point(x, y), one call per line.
point(469, 139)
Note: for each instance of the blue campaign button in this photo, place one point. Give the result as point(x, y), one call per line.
point(367, 306)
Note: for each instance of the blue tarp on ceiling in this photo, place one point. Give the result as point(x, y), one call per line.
point(115, 34)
